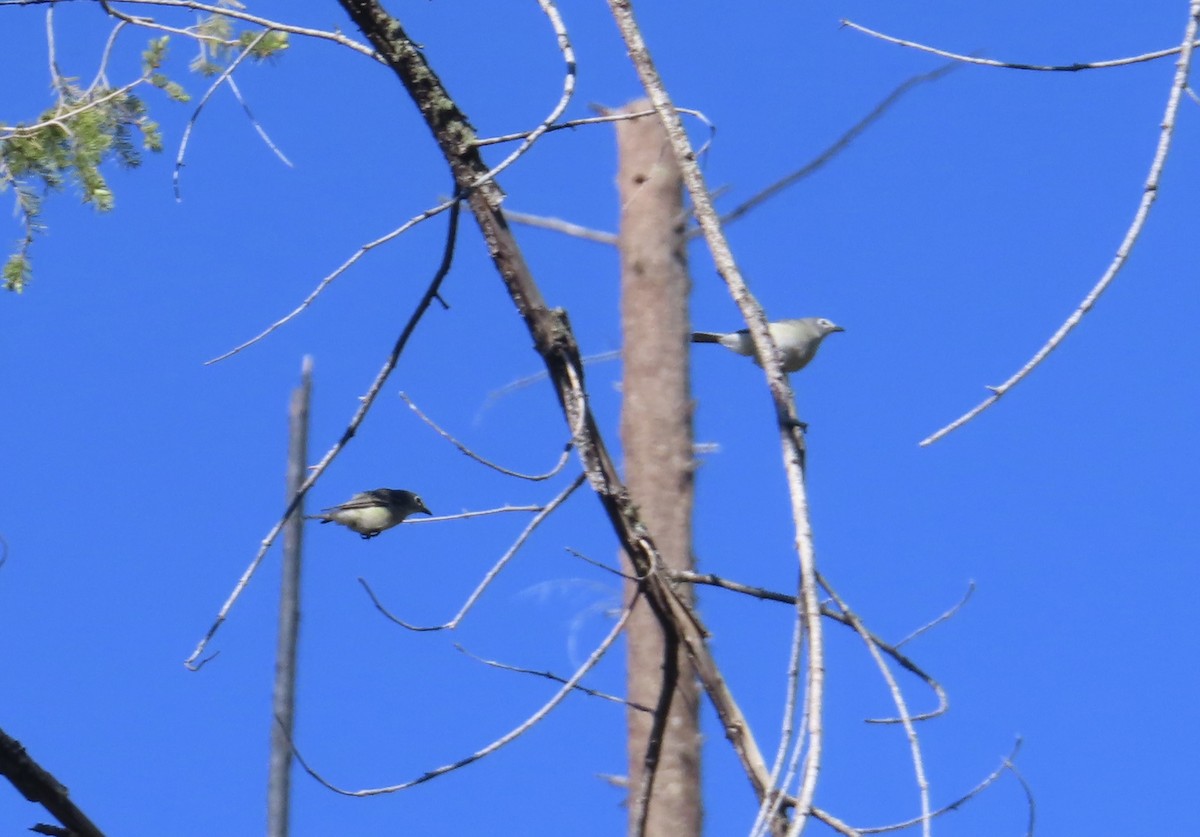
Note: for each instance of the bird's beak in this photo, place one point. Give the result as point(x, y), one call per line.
point(836, 328)
point(427, 511)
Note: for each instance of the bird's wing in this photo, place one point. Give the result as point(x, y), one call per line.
point(365, 500)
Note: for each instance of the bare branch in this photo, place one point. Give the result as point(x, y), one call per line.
point(949, 614)
point(342, 268)
point(1149, 194)
point(834, 823)
point(416, 521)
point(914, 741)
point(1006, 765)
point(236, 14)
point(841, 618)
point(56, 80)
point(549, 675)
point(839, 145)
point(492, 573)
point(1011, 65)
point(40, 787)
point(187, 131)
point(564, 227)
point(558, 466)
point(1029, 800)
point(529, 380)
point(592, 120)
point(101, 77)
point(258, 128)
point(771, 809)
point(726, 584)
point(568, 54)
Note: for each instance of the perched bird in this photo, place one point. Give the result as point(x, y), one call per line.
point(370, 512)
point(798, 340)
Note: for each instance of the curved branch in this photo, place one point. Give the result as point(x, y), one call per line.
point(491, 574)
point(225, 11)
point(564, 45)
point(914, 742)
point(1012, 65)
point(1149, 194)
point(324, 283)
point(557, 678)
point(990, 779)
point(558, 466)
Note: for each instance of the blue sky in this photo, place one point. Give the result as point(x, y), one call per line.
point(950, 241)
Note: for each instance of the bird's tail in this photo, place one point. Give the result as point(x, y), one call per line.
point(706, 337)
point(324, 518)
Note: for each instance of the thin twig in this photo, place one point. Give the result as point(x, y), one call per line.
point(839, 145)
point(770, 808)
point(413, 521)
point(989, 780)
point(187, 131)
point(949, 614)
point(528, 380)
point(1012, 65)
point(1012, 768)
point(342, 268)
point(568, 55)
point(258, 128)
point(56, 81)
point(891, 650)
point(833, 822)
point(557, 678)
point(1149, 194)
point(602, 566)
point(101, 77)
point(914, 741)
point(592, 120)
point(226, 11)
point(558, 466)
point(546, 511)
point(559, 225)
point(726, 584)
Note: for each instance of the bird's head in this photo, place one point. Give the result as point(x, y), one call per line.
point(827, 326)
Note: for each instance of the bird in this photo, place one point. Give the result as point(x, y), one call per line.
point(798, 340)
point(370, 512)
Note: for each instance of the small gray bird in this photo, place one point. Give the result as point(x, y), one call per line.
point(798, 340)
point(370, 512)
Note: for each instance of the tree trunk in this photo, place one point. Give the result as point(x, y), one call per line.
point(664, 749)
